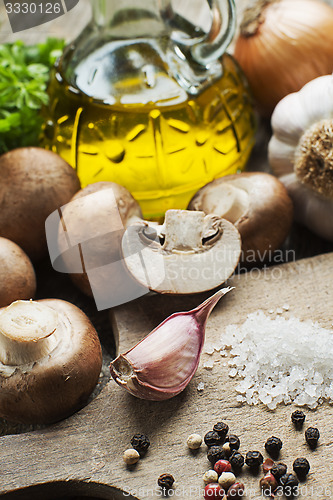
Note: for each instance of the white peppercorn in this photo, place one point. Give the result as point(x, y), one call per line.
point(131, 456)
point(226, 480)
point(227, 449)
point(194, 441)
point(210, 477)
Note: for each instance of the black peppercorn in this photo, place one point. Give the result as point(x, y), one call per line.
point(222, 429)
point(165, 481)
point(290, 485)
point(273, 446)
point(234, 442)
point(212, 438)
point(301, 467)
point(278, 470)
point(297, 418)
point(312, 435)
point(215, 453)
point(140, 443)
point(231, 444)
point(254, 459)
point(236, 460)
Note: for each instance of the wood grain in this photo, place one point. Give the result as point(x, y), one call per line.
point(83, 454)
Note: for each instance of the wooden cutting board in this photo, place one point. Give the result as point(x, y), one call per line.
point(83, 454)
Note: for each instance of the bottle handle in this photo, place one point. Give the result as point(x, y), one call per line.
point(221, 32)
point(220, 35)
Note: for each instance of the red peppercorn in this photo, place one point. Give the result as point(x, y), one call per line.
point(236, 491)
point(267, 465)
point(213, 491)
point(268, 484)
point(222, 466)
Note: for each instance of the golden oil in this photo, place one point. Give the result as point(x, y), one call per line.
point(162, 150)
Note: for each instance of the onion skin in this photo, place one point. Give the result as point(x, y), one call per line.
point(287, 45)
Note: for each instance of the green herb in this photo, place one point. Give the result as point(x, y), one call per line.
point(24, 75)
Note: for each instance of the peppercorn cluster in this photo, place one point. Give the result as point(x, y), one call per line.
point(276, 474)
point(227, 461)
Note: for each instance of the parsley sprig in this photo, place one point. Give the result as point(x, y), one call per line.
point(24, 75)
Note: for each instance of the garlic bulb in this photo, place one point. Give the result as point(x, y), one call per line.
point(312, 210)
point(283, 44)
point(162, 364)
point(301, 152)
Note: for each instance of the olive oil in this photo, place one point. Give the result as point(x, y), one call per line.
point(150, 135)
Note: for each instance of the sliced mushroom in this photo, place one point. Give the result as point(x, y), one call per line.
point(50, 360)
point(197, 253)
point(190, 253)
point(256, 203)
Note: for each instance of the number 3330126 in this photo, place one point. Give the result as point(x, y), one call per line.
point(33, 8)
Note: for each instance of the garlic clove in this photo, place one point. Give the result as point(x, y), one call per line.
point(310, 209)
point(293, 116)
point(162, 364)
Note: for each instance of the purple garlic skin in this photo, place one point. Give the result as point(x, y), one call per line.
point(162, 364)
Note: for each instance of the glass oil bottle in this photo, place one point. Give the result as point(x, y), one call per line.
point(147, 99)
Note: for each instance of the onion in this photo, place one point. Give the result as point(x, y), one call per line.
point(283, 44)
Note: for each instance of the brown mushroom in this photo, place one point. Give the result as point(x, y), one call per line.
point(89, 242)
point(33, 183)
point(256, 203)
point(17, 275)
point(50, 360)
point(114, 255)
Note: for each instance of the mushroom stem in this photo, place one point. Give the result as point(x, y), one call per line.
point(185, 231)
point(26, 332)
point(230, 201)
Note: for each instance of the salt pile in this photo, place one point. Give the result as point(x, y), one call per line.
point(281, 360)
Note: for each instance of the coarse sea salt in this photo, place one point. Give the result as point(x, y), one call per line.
point(281, 360)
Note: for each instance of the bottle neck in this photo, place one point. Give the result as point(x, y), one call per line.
point(128, 18)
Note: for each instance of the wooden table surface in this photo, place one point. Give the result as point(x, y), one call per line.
point(300, 243)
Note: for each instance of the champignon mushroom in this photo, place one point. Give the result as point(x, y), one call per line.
point(17, 275)
point(50, 360)
point(190, 253)
point(256, 203)
point(33, 183)
point(89, 242)
point(116, 264)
